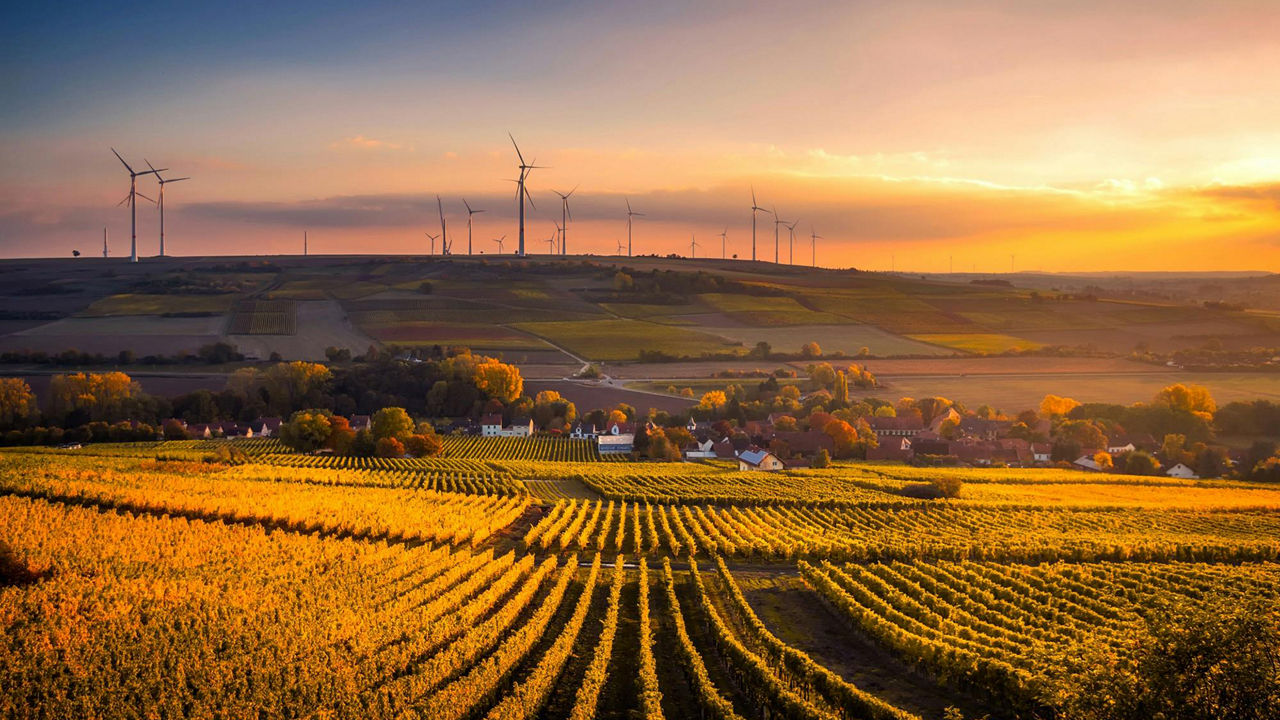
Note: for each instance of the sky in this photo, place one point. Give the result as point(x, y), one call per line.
point(916, 135)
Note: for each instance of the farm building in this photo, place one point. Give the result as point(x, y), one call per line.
point(1181, 471)
point(757, 459)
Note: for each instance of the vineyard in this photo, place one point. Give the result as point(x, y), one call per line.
point(263, 317)
point(539, 582)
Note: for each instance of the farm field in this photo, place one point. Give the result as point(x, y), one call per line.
point(622, 339)
point(1026, 391)
point(848, 338)
point(319, 324)
point(525, 577)
point(977, 343)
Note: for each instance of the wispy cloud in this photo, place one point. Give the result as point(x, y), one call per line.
point(360, 142)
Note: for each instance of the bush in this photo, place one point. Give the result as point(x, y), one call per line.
point(935, 489)
point(423, 445)
point(822, 459)
point(389, 447)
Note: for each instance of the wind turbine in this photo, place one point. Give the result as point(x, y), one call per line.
point(304, 243)
point(521, 191)
point(693, 247)
point(791, 256)
point(619, 250)
point(162, 182)
point(813, 245)
point(755, 207)
point(470, 212)
point(630, 214)
point(560, 236)
point(724, 244)
point(433, 241)
point(104, 243)
point(565, 217)
point(553, 241)
point(500, 242)
point(776, 222)
point(131, 198)
point(444, 242)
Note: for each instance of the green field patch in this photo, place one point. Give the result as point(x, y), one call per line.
point(980, 343)
point(623, 339)
point(144, 304)
point(477, 336)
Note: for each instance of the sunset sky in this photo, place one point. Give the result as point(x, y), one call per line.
point(1073, 136)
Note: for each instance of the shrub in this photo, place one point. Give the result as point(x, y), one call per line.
point(389, 447)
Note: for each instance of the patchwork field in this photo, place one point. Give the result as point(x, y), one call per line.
point(977, 343)
point(622, 339)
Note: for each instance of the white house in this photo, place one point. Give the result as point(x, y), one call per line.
point(704, 448)
point(583, 431)
point(1121, 449)
point(491, 425)
point(1181, 471)
point(1041, 452)
point(757, 459)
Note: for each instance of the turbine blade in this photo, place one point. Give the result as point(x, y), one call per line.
point(517, 147)
point(122, 162)
point(176, 179)
point(144, 197)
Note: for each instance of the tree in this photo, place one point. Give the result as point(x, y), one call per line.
point(762, 350)
point(886, 411)
point(784, 423)
point(1187, 398)
point(1052, 406)
point(391, 422)
point(822, 459)
point(680, 437)
point(810, 350)
point(423, 444)
point(1140, 462)
point(17, 403)
point(822, 375)
point(499, 380)
point(1103, 460)
point(712, 400)
point(78, 397)
point(1173, 449)
point(389, 447)
point(175, 430)
point(841, 393)
point(307, 430)
point(623, 282)
point(661, 448)
point(1189, 662)
point(294, 385)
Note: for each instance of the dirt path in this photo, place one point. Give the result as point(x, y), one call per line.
point(796, 615)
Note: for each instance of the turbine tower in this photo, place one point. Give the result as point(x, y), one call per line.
point(444, 242)
point(104, 243)
point(470, 212)
point(776, 222)
point(724, 243)
point(630, 214)
point(522, 192)
point(693, 247)
point(791, 253)
point(755, 207)
point(553, 241)
point(814, 237)
point(162, 182)
point(565, 217)
point(304, 243)
point(131, 198)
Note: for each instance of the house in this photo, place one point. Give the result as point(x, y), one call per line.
point(808, 442)
point(977, 427)
point(1182, 471)
point(935, 425)
point(904, 426)
point(931, 446)
point(1041, 452)
point(725, 449)
point(1120, 449)
point(892, 448)
point(200, 430)
point(491, 425)
point(265, 427)
point(1086, 462)
point(694, 426)
point(520, 427)
point(702, 447)
point(360, 422)
point(757, 459)
point(583, 431)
